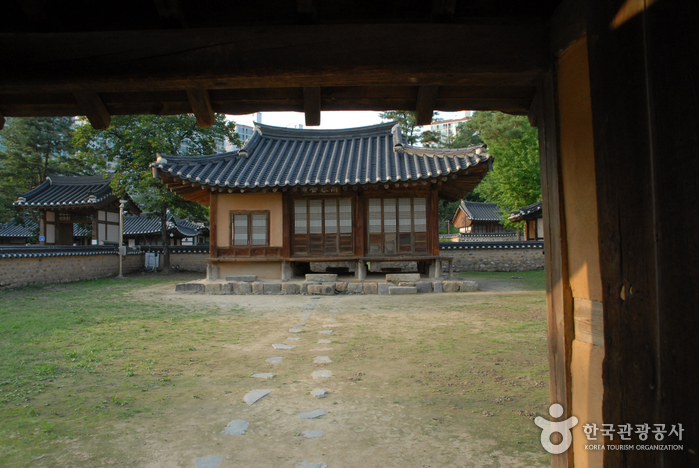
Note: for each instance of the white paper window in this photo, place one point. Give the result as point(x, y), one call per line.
point(330, 217)
point(240, 229)
point(315, 215)
point(345, 215)
point(389, 215)
point(259, 229)
point(405, 221)
point(374, 215)
point(420, 214)
point(300, 219)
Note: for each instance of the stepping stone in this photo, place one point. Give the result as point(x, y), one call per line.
point(274, 360)
point(320, 374)
point(282, 346)
point(237, 427)
point(244, 278)
point(316, 297)
point(254, 396)
point(306, 315)
point(319, 393)
point(324, 341)
point(326, 332)
point(332, 320)
point(300, 324)
point(265, 375)
point(321, 349)
point(295, 330)
point(312, 434)
point(322, 277)
point(313, 414)
point(306, 464)
point(331, 315)
point(209, 462)
point(292, 338)
point(321, 359)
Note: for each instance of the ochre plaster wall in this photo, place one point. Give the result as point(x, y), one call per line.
point(580, 201)
point(228, 202)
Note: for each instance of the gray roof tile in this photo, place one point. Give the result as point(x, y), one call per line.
point(528, 212)
point(480, 211)
point(279, 157)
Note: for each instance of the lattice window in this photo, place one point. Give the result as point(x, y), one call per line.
point(315, 216)
point(405, 215)
point(250, 228)
point(345, 216)
point(389, 215)
point(420, 214)
point(330, 217)
point(375, 216)
point(300, 218)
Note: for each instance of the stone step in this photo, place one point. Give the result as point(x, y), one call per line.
point(402, 277)
point(242, 278)
point(321, 277)
point(402, 290)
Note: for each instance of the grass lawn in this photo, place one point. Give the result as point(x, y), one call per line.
point(127, 373)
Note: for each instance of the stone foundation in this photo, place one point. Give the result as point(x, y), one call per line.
point(327, 288)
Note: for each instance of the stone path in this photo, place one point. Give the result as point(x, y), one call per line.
point(239, 427)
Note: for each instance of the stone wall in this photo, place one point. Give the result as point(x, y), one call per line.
point(17, 272)
point(496, 260)
point(189, 261)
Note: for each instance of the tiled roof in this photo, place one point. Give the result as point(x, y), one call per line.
point(67, 191)
point(141, 225)
point(528, 212)
point(480, 211)
point(279, 157)
point(14, 229)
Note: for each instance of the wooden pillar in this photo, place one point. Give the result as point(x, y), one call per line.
point(559, 300)
point(360, 231)
point(287, 223)
point(213, 225)
point(645, 139)
point(433, 220)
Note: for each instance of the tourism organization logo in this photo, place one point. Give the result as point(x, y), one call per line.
point(550, 427)
point(623, 432)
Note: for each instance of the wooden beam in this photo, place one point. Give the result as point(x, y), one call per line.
point(307, 11)
point(426, 101)
point(170, 14)
point(559, 297)
point(113, 61)
point(443, 10)
point(93, 108)
point(311, 106)
point(201, 106)
point(2, 121)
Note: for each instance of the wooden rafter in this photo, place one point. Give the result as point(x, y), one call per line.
point(426, 102)
point(311, 106)
point(201, 106)
point(91, 105)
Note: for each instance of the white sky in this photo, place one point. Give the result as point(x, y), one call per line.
point(328, 119)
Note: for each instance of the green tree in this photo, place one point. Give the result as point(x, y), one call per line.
point(407, 121)
point(34, 148)
point(132, 143)
point(515, 180)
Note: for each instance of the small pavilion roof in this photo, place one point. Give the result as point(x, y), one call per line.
point(477, 211)
point(528, 212)
point(277, 157)
point(71, 192)
point(144, 224)
point(28, 227)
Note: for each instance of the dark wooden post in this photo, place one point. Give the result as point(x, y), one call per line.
point(213, 225)
point(433, 220)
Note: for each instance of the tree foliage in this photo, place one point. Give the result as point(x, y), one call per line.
point(132, 142)
point(515, 180)
point(407, 121)
point(34, 149)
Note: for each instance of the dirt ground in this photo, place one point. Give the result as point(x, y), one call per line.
point(434, 380)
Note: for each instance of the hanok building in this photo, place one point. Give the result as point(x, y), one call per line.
point(534, 217)
point(147, 230)
point(476, 218)
point(25, 232)
point(63, 202)
point(290, 197)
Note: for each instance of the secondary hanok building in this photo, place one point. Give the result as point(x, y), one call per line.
point(63, 202)
point(476, 218)
point(25, 232)
point(290, 197)
point(534, 217)
point(147, 230)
